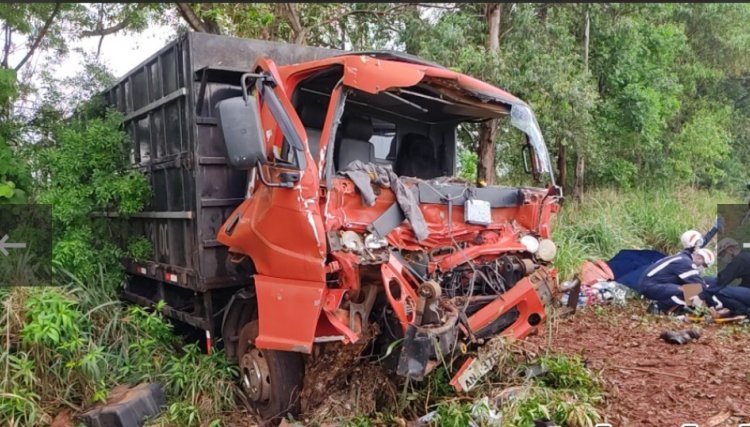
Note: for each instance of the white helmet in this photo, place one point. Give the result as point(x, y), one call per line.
point(708, 256)
point(691, 239)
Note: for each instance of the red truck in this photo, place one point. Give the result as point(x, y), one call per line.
point(351, 225)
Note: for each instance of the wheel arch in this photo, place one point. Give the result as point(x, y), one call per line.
point(241, 309)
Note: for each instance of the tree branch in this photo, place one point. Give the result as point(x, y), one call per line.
point(195, 22)
point(107, 31)
point(40, 36)
point(100, 31)
point(293, 17)
point(361, 12)
point(6, 48)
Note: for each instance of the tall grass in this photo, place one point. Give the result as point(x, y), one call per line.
point(610, 220)
point(65, 347)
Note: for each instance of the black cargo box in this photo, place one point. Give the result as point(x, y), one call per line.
point(169, 106)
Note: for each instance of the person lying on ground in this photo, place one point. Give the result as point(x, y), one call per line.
point(662, 281)
point(727, 300)
point(735, 299)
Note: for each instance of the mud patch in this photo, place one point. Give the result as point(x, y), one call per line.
point(652, 383)
point(340, 382)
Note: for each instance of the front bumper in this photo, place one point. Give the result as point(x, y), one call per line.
point(515, 314)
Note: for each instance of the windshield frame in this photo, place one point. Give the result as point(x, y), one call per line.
point(523, 119)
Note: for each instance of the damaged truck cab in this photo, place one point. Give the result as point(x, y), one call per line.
point(355, 229)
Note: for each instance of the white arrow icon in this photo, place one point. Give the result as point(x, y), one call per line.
point(4, 246)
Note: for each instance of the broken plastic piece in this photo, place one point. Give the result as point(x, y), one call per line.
point(127, 409)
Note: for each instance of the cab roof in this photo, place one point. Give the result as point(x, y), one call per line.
point(377, 71)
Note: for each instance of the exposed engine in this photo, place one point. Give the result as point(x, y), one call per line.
point(494, 277)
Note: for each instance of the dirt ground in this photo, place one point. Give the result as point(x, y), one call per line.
point(649, 382)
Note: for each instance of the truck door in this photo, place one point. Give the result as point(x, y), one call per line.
point(279, 225)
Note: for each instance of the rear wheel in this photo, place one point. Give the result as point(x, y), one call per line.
point(271, 380)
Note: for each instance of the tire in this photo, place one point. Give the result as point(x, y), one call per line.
point(271, 380)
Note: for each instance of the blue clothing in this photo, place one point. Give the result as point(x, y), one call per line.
point(712, 232)
point(629, 264)
point(735, 298)
point(667, 295)
point(662, 281)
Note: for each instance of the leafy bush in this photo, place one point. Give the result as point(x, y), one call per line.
point(66, 351)
point(568, 373)
point(88, 171)
point(140, 248)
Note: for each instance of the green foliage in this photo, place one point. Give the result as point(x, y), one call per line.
point(203, 381)
point(700, 146)
point(358, 421)
point(610, 220)
point(568, 373)
point(70, 351)
point(87, 171)
point(140, 248)
point(543, 403)
point(15, 175)
point(566, 394)
point(467, 164)
point(452, 414)
point(183, 414)
point(8, 86)
point(52, 320)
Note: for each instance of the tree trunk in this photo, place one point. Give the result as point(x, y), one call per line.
point(39, 37)
point(195, 22)
point(494, 12)
point(586, 41)
point(299, 32)
point(486, 150)
point(562, 167)
point(486, 155)
point(580, 158)
point(8, 45)
point(580, 167)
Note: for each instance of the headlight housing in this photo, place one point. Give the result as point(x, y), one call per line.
point(547, 250)
point(531, 243)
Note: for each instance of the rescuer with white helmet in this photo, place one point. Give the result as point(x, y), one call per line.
point(691, 239)
point(662, 281)
point(704, 257)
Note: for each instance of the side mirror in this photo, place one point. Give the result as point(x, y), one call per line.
point(239, 123)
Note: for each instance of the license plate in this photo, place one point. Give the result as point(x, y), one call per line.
point(473, 371)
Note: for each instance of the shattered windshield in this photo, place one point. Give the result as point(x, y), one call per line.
point(515, 129)
point(523, 119)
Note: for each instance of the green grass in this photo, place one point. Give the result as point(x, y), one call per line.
point(65, 347)
point(610, 220)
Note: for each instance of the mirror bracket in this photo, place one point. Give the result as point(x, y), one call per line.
point(249, 79)
point(267, 183)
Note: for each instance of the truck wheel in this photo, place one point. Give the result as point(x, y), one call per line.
point(270, 379)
